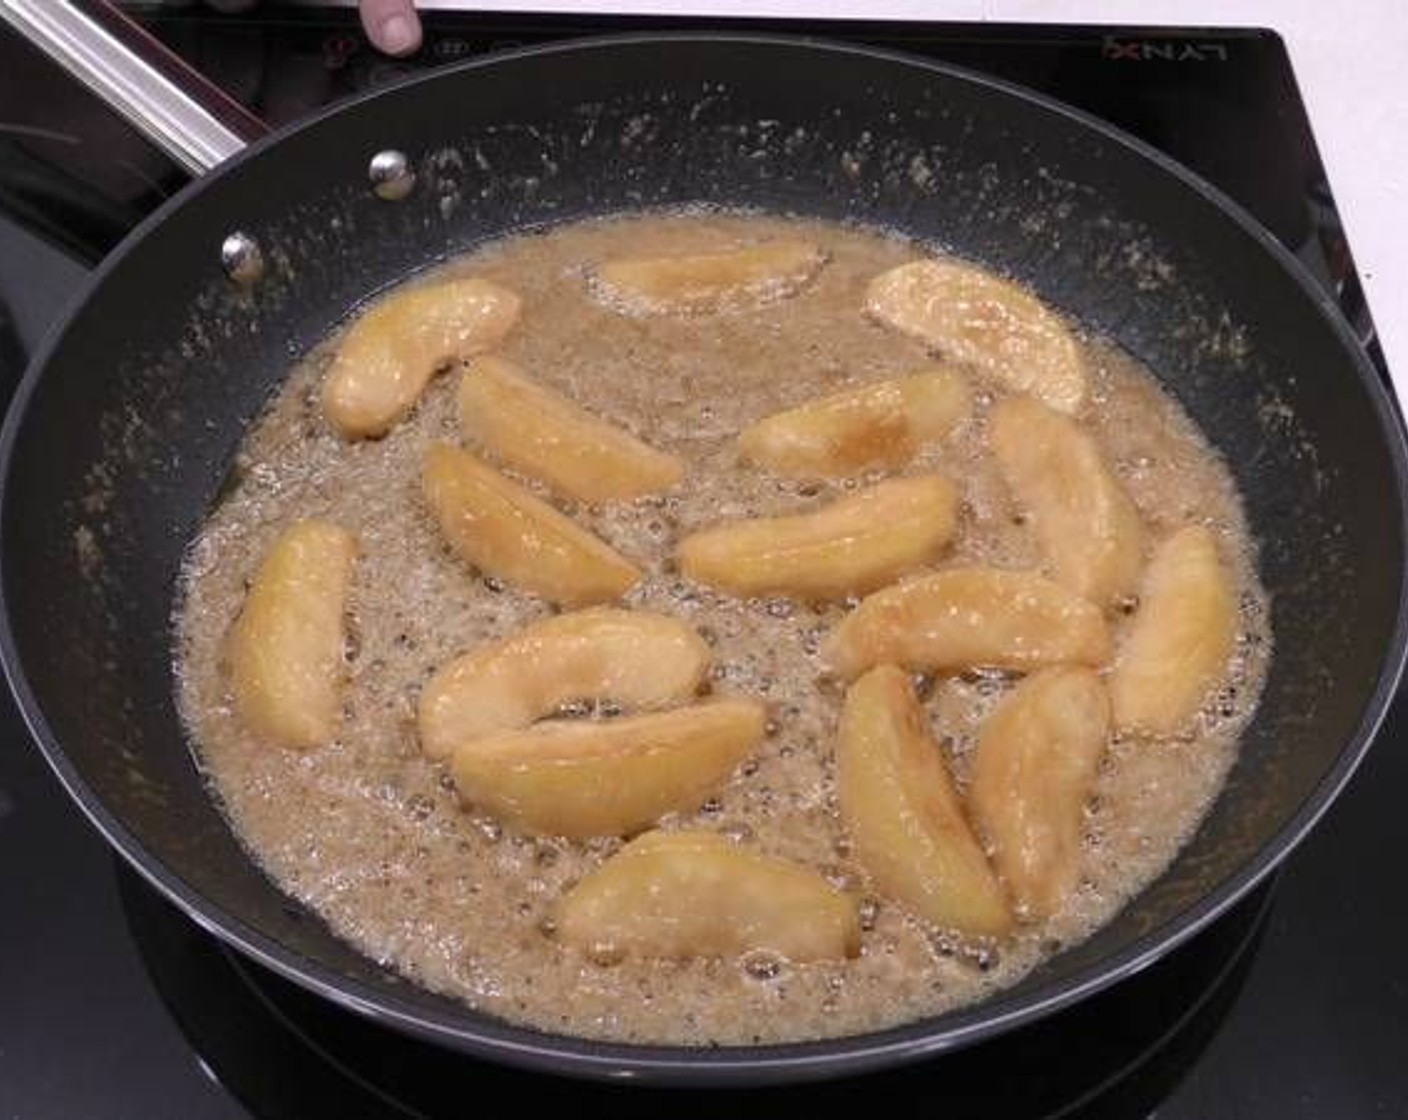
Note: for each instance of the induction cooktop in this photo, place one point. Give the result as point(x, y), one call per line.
point(117, 1005)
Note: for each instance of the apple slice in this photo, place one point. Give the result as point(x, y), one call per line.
point(963, 618)
point(581, 778)
point(697, 894)
point(1089, 529)
point(504, 529)
point(903, 815)
point(883, 424)
point(1180, 638)
point(971, 316)
point(541, 433)
point(851, 546)
point(1032, 774)
point(639, 659)
point(389, 354)
point(702, 282)
point(286, 647)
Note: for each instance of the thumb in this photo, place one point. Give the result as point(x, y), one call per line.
point(391, 25)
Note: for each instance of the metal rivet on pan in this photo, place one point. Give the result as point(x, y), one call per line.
point(241, 258)
point(391, 175)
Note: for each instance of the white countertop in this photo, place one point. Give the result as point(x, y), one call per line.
point(1347, 59)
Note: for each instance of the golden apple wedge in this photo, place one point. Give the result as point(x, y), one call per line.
point(638, 659)
point(543, 434)
point(969, 315)
point(286, 647)
point(581, 778)
point(963, 618)
point(697, 894)
point(849, 547)
point(883, 424)
point(504, 529)
point(1089, 529)
point(1033, 771)
point(390, 353)
point(1180, 639)
point(701, 282)
point(903, 815)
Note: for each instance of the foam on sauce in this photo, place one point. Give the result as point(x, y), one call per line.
point(370, 834)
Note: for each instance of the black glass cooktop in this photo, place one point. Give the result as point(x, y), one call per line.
point(114, 1005)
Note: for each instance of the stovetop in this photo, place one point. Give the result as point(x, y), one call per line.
point(115, 1005)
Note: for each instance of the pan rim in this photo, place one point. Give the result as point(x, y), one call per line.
point(483, 1035)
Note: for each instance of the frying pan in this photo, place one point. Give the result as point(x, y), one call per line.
point(124, 427)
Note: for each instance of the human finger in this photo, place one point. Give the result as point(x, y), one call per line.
point(391, 25)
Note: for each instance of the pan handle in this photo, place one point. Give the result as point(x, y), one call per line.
point(185, 114)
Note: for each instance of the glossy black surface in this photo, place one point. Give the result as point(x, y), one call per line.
point(1317, 1028)
point(1137, 1041)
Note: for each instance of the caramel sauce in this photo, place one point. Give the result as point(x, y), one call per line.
point(370, 835)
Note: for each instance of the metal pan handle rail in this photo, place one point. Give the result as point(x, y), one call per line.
point(190, 118)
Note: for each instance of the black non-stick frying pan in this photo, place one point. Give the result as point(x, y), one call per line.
point(124, 427)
